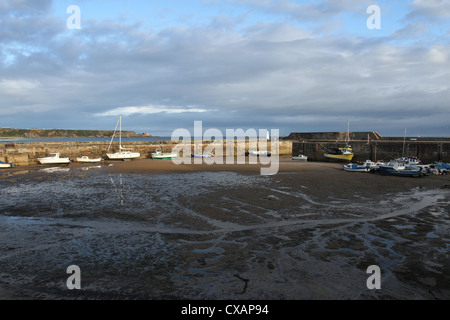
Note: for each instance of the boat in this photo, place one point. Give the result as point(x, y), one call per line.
point(255, 152)
point(160, 155)
point(353, 167)
point(344, 153)
point(373, 165)
point(123, 153)
point(300, 157)
point(54, 158)
point(196, 155)
point(6, 165)
point(441, 165)
point(86, 159)
point(408, 160)
point(395, 168)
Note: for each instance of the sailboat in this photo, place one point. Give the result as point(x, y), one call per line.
point(123, 153)
point(345, 153)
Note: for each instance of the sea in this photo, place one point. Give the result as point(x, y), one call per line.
point(40, 140)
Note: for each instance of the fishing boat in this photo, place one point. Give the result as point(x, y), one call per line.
point(409, 160)
point(6, 165)
point(86, 159)
point(160, 155)
point(344, 153)
point(300, 157)
point(353, 167)
point(373, 165)
point(123, 153)
point(54, 158)
point(394, 168)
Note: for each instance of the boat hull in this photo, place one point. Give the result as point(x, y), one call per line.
point(300, 158)
point(342, 157)
point(87, 160)
point(201, 155)
point(123, 155)
point(386, 170)
point(164, 156)
point(54, 158)
point(356, 168)
point(6, 165)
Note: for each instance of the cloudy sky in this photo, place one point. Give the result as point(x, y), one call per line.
point(296, 66)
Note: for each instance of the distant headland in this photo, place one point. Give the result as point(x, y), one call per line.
point(63, 133)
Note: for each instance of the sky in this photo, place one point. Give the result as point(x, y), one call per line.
point(296, 66)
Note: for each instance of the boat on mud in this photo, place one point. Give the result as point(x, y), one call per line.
point(300, 157)
point(343, 154)
point(6, 165)
point(256, 152)
point(86, 159)
point(123, 153)
point(54, 158)
point(353, 167)
point(160, 155)
point(395, 168)
point(198, 155)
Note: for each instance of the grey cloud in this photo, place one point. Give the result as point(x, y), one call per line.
point(265, 75)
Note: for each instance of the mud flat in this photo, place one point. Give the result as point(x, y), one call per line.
point(149, 229)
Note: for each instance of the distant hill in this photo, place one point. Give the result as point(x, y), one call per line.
point(62, 133)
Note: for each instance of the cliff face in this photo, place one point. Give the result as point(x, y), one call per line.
point(62, 133)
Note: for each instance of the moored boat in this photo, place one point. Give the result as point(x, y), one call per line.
point(255, 152)
point(160, 155)
point(196, 155)
point(86, 159)
point(6, 165)
point(353, 167)
point(344, 154)
point(398, 169)
point(300, 157)
point(123, 153)
point(54, 158)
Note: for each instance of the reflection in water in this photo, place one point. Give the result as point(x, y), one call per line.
point(118, 189)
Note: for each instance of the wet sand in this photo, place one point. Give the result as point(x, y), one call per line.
point(149, 229)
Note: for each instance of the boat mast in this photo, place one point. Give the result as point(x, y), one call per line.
point(404, 140)
point(348, 132)
point(112, 138)
point(120, 134)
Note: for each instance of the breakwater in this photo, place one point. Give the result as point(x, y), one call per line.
point(23, 154)
point(427, 151)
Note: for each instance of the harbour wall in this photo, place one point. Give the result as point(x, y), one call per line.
point(427, 151)
point(24, 154)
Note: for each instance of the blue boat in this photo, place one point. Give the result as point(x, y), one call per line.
point(441, 165)
point(395, 169)
point(353, 167)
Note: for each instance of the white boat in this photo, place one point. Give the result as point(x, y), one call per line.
point(160, 155)
point(255, 152)
point(353, 167)
point(6, 165)
point(123, 153)
point(194, 155)
point(54, 158)
point(86, 159)
point(408, 160)
point(373, 165)
point(300, 157)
